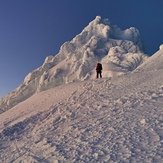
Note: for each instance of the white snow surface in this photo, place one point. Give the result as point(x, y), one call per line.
point(108, 120)
point(153, 63)
point(120, 51)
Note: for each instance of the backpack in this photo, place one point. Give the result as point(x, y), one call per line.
point(99, 67)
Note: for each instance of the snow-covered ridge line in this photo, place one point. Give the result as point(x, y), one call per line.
point(120, 51)
point(154, 62)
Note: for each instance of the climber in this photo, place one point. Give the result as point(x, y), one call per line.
point(99, 70)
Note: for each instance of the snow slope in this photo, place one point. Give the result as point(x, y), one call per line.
point(154, 62)
point(120, 51)
point(108, 120)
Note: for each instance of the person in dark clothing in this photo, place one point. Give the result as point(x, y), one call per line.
point(99, 70)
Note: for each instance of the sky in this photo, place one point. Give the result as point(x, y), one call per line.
point(30, 30)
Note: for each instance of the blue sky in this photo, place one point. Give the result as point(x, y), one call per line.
point(30, 30)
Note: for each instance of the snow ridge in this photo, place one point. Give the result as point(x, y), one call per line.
point(153, 63)
point(120, 51)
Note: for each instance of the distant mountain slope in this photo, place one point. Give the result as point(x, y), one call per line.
point(154, 62)
point(120, 51)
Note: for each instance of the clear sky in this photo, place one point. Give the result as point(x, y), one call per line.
point(30, 30)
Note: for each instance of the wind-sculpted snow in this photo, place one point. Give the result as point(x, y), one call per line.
point(98, 42)
point(107, 120)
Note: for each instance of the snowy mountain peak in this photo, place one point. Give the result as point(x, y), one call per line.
point(103, 29)
point(98, 27)
point(119, 51)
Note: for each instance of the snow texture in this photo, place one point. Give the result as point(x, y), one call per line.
point(120, 51)
point(108, 120)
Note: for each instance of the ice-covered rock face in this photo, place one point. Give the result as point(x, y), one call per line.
point(119, 51)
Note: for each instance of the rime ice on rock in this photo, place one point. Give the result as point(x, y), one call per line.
point(119, 51)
